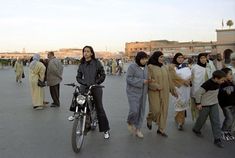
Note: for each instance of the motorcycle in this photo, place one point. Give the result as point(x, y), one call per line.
point(85, 117)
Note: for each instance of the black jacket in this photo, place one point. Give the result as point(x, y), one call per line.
point(227, 94)
point(91, 72)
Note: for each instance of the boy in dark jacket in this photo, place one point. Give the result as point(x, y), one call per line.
point(207, 104)
point(227, 103)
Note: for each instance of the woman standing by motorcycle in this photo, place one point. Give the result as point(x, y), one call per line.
point(92, 72)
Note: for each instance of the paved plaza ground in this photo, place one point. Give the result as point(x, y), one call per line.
point(26, 133)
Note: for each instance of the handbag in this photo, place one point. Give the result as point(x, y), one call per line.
point(41, 83)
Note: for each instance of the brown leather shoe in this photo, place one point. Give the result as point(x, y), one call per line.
point(162, 133)
point(149, 125)
point(54, 105)
point(45, 102)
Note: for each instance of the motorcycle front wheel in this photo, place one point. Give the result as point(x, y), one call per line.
point(77, 133)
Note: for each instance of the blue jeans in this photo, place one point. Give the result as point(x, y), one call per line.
point(229, 114)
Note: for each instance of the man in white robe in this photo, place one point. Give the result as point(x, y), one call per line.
point(36, 72)
point(19, 70)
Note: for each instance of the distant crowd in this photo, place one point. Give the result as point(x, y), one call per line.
point(200, 86)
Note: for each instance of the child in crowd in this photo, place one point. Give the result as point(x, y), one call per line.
point(207, 104)
point(227, 103)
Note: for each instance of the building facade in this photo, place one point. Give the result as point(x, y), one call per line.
point(15, 55)
point(169, 47)
point(60, 54)
point(225, 43)
point(65, 53)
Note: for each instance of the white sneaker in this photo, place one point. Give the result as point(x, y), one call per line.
point(106, 135)
point(71, 118)
point(131, 129)
point(231, 137)
point(223, 136)
point(39, 108)
point(139, 134)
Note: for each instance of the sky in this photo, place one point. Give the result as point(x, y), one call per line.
point(106, 25)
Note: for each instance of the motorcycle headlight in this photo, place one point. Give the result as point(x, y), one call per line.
point(81, 99)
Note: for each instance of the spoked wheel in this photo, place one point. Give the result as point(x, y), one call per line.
point(77, 133)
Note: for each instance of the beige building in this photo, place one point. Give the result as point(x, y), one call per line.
point(169, 47)
point(61, 54)
point(77, 53)
point(15, 55)
point(225, 43)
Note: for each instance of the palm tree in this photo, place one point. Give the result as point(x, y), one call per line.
point(229, 23)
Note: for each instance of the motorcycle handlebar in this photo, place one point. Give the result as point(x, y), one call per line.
point(95, 85)
point(90, 87)
point(70, 84)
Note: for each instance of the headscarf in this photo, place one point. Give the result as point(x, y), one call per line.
point(198, 59)
point(36, 58)
point(139, 56)
point(219, 57)
point(232, 56)
point(175, 59)
point(154, 58)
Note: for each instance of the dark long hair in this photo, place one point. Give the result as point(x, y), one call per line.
point(154, 58)
point(92, 51)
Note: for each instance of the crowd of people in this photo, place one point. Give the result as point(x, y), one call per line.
point(201, 87)
point(48, 72)
point(113, 66)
